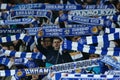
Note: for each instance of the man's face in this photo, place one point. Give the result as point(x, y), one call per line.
point(47, 42)
point(56, 44)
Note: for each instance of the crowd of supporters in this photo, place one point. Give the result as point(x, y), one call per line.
point(49, 46)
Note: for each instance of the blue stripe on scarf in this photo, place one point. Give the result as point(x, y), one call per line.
point(8, 38)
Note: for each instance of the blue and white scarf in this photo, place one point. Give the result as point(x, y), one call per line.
point(31, 12)
point(4, 15)
point(85, 20)
point(93, 12)
point(78, 31)
point(33, 31)
point(18, 61)
point(31, 43)
point(54, 68)
point(112, 30)
point(12, 31)
point(26, 13)
point(79, 76)
point(6, 61)
point(100, 6)
point(110, 61)
point(69, 45)
point(112, 72)
point(54, 7)
point(22, 36)
point(5, 6)
point(17, 21)
point(102, 38)
point(24, 54)
point(115, 18)
point(89, 21)
point(24, 61)
point(74, 65)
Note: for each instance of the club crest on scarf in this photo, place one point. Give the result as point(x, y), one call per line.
point(67, 32)
point(19, 73)
point(40, 33)
point(94, 30)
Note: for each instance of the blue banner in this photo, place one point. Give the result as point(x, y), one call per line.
point(6, 61)
point(78, 31)
point(75, 65)
point(69, 45)
point(30, 12)
point(93, 12)
point(17, 21)
point(5, 6)
point(33, 31)
point(58, 7)
point(78, 25)
point(111, 61)
point(53, 6)
point(78, 78)
point(112, 72)
point(4, 15)
point(11, 31)
point(101, 6)
point(18, 61)
point(85, 20)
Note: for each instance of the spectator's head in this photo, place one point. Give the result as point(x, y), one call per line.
point(75, 38)
point(90, 2)
point(56, 43)
point(15, 42)
point(35, 77)
point(5, 46)
point(26, 1)
point(92, 56)
point(3, 67)
point(35, 49)
point(47, 42)
point(11, 47)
